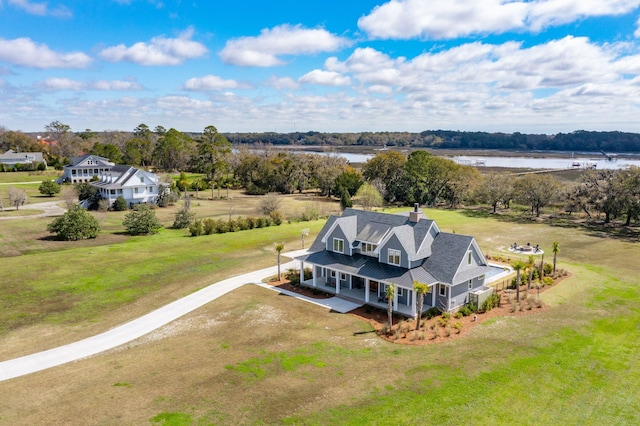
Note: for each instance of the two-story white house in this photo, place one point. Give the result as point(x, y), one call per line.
point(358, 254)
point(134, 185)
point(84, 168)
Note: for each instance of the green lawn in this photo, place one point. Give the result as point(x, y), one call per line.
point(256, 358)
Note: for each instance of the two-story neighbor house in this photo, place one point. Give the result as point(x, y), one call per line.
point(84, 168)
point(360, 253)
point(134, 185)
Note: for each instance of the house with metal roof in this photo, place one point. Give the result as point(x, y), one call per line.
point(134, 185)
point(11, 158)
point(84, 168)
point(358, 254)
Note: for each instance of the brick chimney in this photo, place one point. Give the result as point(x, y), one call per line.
point(416, 214)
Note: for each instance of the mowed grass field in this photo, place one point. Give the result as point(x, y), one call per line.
point(253, 357)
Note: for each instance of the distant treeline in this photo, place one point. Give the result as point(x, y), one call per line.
point(580, 140)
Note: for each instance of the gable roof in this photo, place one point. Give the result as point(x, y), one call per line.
point(368, 226)
point(120, 175)
point(75, 161)
point(443, 254)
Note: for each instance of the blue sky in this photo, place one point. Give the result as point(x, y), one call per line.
point(537, 66)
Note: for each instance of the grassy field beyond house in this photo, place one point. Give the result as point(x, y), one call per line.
point(253, 357)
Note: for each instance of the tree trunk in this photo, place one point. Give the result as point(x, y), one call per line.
point(518, 285)
point(420, 303)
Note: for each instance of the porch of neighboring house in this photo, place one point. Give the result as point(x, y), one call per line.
point(355, 288)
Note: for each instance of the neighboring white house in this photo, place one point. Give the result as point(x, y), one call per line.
point(134, 185)
point(83, 169)
point(10, 158)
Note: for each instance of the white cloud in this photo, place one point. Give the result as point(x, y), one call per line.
point(282, 83)
point(637, 32)
point(115, 85)
point(210, 82)
point(25, 52)
point(159, 51)
point(41, 9)
point(325, 78)
point(266, 49)
point(55, 83)
point(448, 19)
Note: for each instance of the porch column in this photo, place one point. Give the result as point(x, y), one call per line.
point(414, 311)
point(337, 282)
point(366, 290)
point(395, 300)
point(301, 272)
point(313, 275)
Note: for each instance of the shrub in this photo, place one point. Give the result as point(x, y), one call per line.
point(49, 187)
point(548, 268)
point(260, 222)
point(465, 311)
point(222, 226)
point(276, 218)
point(242, 223)
point(141, 221)
point(310, 213)
point(473, 307)
point(459, 315)
point(251, 222)
point(431, 312)
point(458, 327)
point(209, 226)
point(233, 225)
point(184, 217)
point(196, 228)
point(120, 204)
point(547, 281)
point(75, 224)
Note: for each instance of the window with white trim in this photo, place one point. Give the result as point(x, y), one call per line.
point(338, 245)
point(343, 276)
point(393, 257)
point(333, 274)
point(368, 249)
point(470, 284)
point(400, 292)
point(443, 290)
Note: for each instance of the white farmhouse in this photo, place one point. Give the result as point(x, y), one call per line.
point(134, 185)
point(84, 168)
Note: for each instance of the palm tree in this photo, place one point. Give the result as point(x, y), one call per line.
point(518, 265)
point(531, 264)
point(279, 247)
point(421, 289)
point(555, 250)
point(390, 293)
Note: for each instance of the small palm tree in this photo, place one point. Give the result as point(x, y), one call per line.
point(279, 247)
point(390, 293)
point(421, 289)
point(555, 249)
point(518, 266)
point(531, 264)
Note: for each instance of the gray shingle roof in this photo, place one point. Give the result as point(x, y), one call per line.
point(443, 256)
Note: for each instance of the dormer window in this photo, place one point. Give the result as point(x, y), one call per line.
point(393, 257)
point(338, 245)
point(368, 249)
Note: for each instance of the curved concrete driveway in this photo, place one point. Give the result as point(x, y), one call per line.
point(49, 208)
point(139, 327)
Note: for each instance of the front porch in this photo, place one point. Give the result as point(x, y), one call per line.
point(375, 297)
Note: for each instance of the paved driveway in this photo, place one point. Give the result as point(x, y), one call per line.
point(49, 208)
point(139, 327)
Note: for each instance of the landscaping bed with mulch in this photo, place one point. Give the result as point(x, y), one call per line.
point(440, 328)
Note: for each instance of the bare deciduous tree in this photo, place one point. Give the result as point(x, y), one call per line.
point(17, 197)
